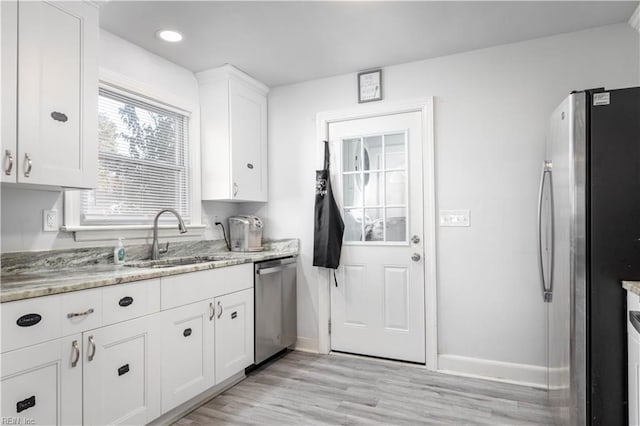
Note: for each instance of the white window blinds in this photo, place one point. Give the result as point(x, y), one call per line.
point(143, 162)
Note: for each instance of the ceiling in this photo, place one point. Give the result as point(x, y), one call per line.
point(287, 42)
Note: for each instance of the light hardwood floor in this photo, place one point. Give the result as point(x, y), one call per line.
point(307, 389)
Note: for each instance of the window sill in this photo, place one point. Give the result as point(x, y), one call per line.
point(130, 232)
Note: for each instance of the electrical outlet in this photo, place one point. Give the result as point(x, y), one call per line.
point(50, 220)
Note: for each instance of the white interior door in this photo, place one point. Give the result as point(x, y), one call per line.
point(377, 305)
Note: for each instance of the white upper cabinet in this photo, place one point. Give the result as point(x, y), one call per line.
point(233, 109)
point(49, 129)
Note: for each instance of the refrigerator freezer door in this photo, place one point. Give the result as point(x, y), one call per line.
point(564, 144)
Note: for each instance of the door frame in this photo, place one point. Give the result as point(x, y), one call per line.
point(425, 107)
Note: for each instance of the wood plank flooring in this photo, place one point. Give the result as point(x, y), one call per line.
point(308, 389)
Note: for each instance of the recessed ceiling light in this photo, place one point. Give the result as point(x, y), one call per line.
point(170, 36)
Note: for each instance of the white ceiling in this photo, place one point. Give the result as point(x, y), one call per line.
point(286, 42)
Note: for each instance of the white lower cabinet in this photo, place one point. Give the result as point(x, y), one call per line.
point(42, 384)
point(122, 373)
point(128, 357)
point(187, 352)
point(233, 334)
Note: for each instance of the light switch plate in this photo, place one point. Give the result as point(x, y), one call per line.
point(50, 220)
point(454, 218)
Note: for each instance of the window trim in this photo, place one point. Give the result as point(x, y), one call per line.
point(164, 99)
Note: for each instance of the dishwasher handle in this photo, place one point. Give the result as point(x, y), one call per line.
point(275, 269)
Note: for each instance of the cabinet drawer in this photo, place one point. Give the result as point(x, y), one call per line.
point(30, 321)
point(80, 310)
point(178, 290)
point(127, 301)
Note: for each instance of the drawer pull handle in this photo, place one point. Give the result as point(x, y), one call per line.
point(8, 155)
point(29, 166)
point(59, 116)
point(212, 311)
point(80, 314)
point(76, 353)
point(186, 332)
point(123, 370)
point(26, 403)
point(28, 320)
point(221, 309)
point(234, 315)
point(92, 345)
point(125, 301)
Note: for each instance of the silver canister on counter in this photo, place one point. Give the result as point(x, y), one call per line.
point(245, 233)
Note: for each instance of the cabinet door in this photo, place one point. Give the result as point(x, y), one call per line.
point(8, 88)
point(57, 93)
point(187, 353)
point(122, 373)
point(43, 383)
point(233, 334)
point(248, 118)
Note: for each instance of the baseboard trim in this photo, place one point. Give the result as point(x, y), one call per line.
point(506, 372)
point(180, 411)
point(306, 344)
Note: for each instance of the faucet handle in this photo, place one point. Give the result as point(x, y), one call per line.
point(165, 249)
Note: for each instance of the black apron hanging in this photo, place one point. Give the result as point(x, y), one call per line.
point(329, 227)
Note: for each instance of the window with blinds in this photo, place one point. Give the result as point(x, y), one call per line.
point(143, 162)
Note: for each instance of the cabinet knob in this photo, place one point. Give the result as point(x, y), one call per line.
point(8, 161)
point(125, 301)
point(249, 166)
point(59, 116)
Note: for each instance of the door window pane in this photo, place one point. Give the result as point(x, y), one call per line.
point(396, 224)
point(352, 190)
point(373, 225)
point(395, 151)
point(351, 156)
point(396, 191)
point(373, 189)
point(352, 225)
point(372, 153)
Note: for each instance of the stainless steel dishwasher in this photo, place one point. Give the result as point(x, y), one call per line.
point(276, 317)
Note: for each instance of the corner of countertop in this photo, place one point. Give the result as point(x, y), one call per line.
point(632, 286)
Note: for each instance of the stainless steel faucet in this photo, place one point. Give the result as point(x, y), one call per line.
point(181, 227)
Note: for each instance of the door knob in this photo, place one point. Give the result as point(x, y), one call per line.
point(415, 257)
point(415, 239)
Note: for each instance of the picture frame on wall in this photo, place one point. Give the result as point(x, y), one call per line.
point(370, 86)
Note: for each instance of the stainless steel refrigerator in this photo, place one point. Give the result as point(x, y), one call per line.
point(589, 241)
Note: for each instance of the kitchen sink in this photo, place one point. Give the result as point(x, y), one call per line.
point(176, 261)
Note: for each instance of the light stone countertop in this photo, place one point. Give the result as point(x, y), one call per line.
point(632, 286)
point(32, 274)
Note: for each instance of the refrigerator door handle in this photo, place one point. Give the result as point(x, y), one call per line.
point(547, 288)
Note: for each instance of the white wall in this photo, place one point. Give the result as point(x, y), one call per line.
point(21, 215)
point(491, 110)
